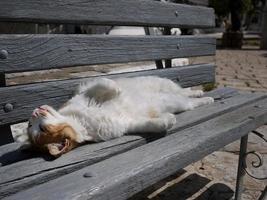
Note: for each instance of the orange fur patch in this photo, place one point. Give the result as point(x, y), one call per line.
point(54, 136)
point(152, 113)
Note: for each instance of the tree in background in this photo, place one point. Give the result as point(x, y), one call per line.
point(233, 36)
point(237, 9)
point(221, 8)
point(252, 15)
point(264, 29)
point(234, 7)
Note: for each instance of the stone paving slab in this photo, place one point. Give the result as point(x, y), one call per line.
point(242, 69)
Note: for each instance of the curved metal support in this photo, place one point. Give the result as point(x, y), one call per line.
point(260, 135)
point(254, 163)
point(243, 169)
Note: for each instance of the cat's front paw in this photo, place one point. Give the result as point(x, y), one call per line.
point(208, 100)
point(46, 107)
point(169, 120)
point(198, 93)
point(194, 93)
point(49, 109)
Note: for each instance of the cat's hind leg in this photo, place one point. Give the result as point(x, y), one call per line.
point(152, 125)
point(101, 90)
point(188, 92)
point(196, 102)
point(168, 86)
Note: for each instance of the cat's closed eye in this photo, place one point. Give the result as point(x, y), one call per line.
point(41, 128)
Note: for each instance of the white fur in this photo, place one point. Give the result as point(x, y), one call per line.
point(104, 109)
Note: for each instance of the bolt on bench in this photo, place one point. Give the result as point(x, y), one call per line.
point(119, 168)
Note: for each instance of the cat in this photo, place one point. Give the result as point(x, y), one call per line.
point(104, 109)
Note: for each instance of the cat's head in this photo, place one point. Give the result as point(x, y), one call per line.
point(49, 131)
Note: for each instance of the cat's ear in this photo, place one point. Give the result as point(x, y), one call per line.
point(57, 149)
point(54, 150)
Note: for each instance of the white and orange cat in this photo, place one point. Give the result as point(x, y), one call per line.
point(104, 109)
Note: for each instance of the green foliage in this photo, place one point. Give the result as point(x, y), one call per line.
point(246, 6)
point(209, 86)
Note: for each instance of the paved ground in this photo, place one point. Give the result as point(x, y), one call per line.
point(246, 69)
point(212, 178)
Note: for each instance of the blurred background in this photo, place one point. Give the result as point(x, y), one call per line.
point(241, 33)
point(238, 23)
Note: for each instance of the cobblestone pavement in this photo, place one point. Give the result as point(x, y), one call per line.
point(212, 178)
point(242, 69)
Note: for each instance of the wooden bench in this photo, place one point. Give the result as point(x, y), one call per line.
point(122, 167)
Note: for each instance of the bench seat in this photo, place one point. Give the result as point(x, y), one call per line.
point(120, 168)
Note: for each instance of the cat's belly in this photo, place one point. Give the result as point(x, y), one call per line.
point(131, 106)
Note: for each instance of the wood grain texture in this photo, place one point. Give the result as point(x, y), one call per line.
point(34, 170)
point(7, 137)
point(222, 94)
point(107, 12)
point(199, 2)
point(25, 98)
point(123, 175)
point(36, 52)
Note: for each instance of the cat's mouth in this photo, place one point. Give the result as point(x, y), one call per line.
point(60, 146)
point(57, 149)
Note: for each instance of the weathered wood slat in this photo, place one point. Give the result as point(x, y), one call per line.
point(36, 170)
point(44, 168)
point(107, 12)
point(36, 52)
point(207, 112)
point(128, 173)
point(199, 2)
point(219, 94)
point(7, 137)
point(223, 94)
point(28, 97)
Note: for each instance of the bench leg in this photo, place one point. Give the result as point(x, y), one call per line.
point(5, 135)
point(241, 169)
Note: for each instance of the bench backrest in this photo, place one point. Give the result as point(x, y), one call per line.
point(19, 53)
